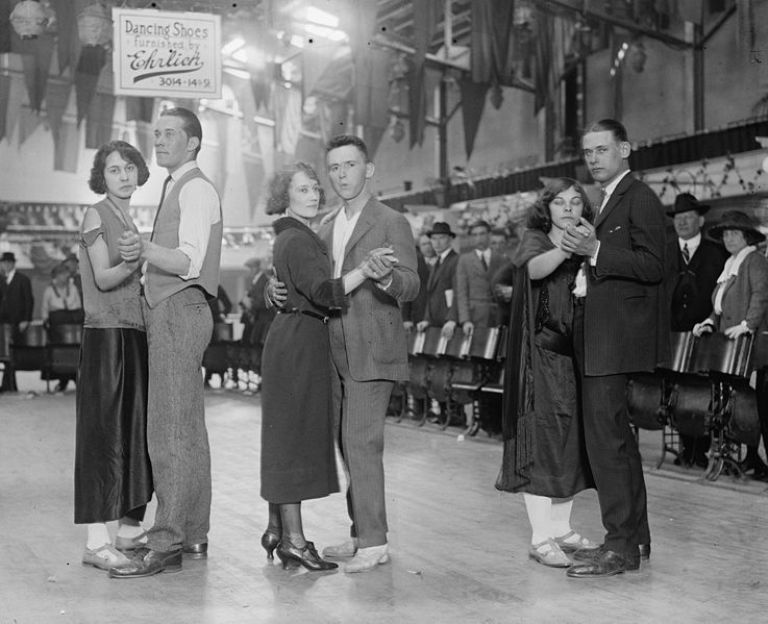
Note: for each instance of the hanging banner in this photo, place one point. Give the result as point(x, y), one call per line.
point(165, 54)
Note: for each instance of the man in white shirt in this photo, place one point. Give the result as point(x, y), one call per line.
point(181, 271)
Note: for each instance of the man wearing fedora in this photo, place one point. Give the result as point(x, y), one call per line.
point(440, 286)
point(16, 303)
point(694, 266)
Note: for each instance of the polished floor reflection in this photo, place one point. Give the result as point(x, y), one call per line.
point(459, 548)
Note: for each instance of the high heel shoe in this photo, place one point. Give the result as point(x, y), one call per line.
point(307, 556)
point(270, 541)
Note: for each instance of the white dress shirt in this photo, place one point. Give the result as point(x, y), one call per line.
point(199, 210)
point(342, 232)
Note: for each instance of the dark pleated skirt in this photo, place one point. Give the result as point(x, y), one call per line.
point(112, 471)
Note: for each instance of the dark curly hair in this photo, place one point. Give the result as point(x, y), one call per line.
point(278, 200)
point(128, 152)
point(539, 217)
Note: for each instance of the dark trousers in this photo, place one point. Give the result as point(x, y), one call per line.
point(613, 453)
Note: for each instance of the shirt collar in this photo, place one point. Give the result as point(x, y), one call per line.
point(609, 188)
point(693, 242)
point(444, 255)
point(187, 166)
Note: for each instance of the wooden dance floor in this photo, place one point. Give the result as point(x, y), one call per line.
point(459, 548)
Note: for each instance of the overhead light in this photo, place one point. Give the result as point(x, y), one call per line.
point(232, 46)
point(318, 16)
point(326, 33)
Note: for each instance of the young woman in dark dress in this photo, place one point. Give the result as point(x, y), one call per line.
point(113, 476)
point(544, 453)
point(297, 447)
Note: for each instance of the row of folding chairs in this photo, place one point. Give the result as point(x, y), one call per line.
point(454, 371)
point(54, 350)
point(704, 392)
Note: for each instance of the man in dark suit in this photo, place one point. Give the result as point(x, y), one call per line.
point(440, 286)
point(474, 304)
point(621, 326)
point(16, 304)
point(694, 266)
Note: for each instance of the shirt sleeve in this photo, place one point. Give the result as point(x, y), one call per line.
point(199, 209)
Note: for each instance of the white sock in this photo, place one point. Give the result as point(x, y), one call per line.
point(560, 518)
point(129, 528)
point(97, 536)
point(539, 510)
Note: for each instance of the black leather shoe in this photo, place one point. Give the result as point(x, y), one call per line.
point(149, 562)
point(196, 551)
point(307, 556)
point(607, 563)
point(269, 542)
point(590, 554)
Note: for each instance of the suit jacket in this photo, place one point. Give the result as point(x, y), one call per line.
point(473, 297)
point(691, 285)
point(16, 300)
point(441, 279)
point(371, 327)
point(626, 314)
point(746, 295)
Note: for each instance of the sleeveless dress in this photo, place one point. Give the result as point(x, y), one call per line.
point(297, 445)
point(113, 475)
point(544, 450)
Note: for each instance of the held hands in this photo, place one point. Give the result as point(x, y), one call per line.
point(378, 264)
point(448, 329)
point(580, 239)
point(702, 328)
point(422, 325)
point(503, 292)
point(130, 246)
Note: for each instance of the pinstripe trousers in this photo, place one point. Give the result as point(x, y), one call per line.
point(360, 409)
point(179, 329)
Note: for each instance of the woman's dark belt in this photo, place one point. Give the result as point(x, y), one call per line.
point(312, 313)
point(552, 341)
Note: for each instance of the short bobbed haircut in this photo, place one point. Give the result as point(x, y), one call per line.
point(348, 139)
point(278, 200)
point(539, 217)
point(128, 152)
point(189, 123)
point(609, 125)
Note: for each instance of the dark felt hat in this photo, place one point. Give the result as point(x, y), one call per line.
point(441, 227)
point(736, 220)
point(8, 256)
point(685, 202)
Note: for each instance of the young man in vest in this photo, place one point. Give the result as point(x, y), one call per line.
point(181, 271)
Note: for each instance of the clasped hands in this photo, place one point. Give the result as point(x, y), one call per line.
point(130, 246)
point(377, 266)
point(579, 239)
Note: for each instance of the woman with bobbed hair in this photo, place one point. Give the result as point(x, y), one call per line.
point(740, 306)
point(297, 445)
point(113, 477)
point(544, 452)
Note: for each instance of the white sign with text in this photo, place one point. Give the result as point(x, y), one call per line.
point(165, 54)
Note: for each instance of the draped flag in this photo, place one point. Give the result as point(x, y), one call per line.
point(426, 15)
point(5, 95)
point(472, 104)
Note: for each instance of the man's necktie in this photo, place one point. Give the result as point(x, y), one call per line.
point(485, 264)
point(686, 253)
point(160, 205)
point(602, 200)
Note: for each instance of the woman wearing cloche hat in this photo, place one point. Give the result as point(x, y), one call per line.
point(740, 303)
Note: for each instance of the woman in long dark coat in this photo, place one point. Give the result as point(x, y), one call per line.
point(297, 446)
point(544, 452)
